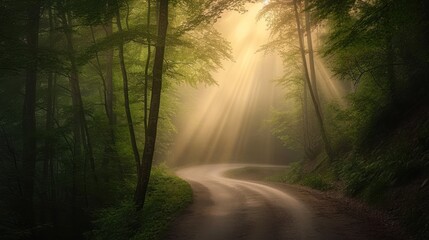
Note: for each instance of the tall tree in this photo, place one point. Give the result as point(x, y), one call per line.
point(127, 107)
point(150, 135)
point(48, 161)
point(109, 99)
point(310, 50)
point(82, 139)
point(316, 105)
point(29, 148)
point(146, 69)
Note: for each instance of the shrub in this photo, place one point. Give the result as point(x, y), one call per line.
point(167, 196)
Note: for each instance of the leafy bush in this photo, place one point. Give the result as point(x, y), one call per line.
point(119, 222)
point(369, 176)
point(167, 196)
point(317, 181)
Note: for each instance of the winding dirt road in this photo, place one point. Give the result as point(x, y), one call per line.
point(232, 209)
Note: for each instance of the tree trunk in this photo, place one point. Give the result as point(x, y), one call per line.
point(306, 124)
point(150, 139)
point(146, 70)
point(110, 102)
point(29, 147)
point(311, 52)
point(126, 97)
point(47, 184)
point(80, 127)
point(328, 147)
point(108, 99)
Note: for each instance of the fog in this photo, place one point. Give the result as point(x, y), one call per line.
point(227, 122)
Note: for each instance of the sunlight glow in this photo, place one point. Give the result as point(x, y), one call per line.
point(224, 123)
point(330, 87)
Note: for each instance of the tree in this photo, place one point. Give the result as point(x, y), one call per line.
point(126, 96)
point(285, 22)
point(29, 147)
point(316, 105)
point(150, 135)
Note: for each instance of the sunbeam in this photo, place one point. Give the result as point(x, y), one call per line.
point(224, 123)
point(331, 88)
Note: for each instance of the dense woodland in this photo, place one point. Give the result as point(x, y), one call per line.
point(81, 84)
point(372, 143)
point(88, 93)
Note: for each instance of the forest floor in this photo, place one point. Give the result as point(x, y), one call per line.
point(244, 207)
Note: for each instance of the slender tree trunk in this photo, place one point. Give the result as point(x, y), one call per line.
point(48, 144)
point(75, 95)
point(110, 102)
point(328, 147)
point(87, 141)
point(50, 150)
point(108, 99)
point(110, 96)
point(306, 122)
point(311, 52)
point(81, 132)
point(29, 147)
point(126, 98)
point(312, 145)
point(151, 133)
point(78, 126)
point(49, 140)
point(146, 70)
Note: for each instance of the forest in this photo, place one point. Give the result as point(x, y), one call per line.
point(89, 97)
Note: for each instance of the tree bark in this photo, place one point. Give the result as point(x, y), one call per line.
point(29, 147)
point(151, 133)
point(126, 97)
point(326, 142)
point(306, 124)
point(49, 140)
point(311, 52)
point(80, 126)
point(110, 102)
point(146, 70)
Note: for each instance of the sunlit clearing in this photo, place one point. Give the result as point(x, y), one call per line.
point(266, 2)
point(225, 123)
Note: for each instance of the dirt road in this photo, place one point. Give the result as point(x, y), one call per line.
point(232, 209)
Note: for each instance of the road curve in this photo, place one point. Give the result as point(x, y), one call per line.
point(232, 209)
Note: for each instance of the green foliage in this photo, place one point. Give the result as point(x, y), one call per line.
point(287, 127)
point(380, 131)
point(296, 175)
point(78, 42)
point(119, 222)
point(167, 197)
point(371, 175)
point(317, 182)
point(291, 175)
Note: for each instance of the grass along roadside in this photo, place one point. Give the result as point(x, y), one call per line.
point(168, 195)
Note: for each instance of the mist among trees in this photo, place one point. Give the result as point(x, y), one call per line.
point(88, 92)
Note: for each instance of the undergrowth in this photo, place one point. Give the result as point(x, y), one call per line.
point(392, 176)
point(167, 196)
point(319, 181)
